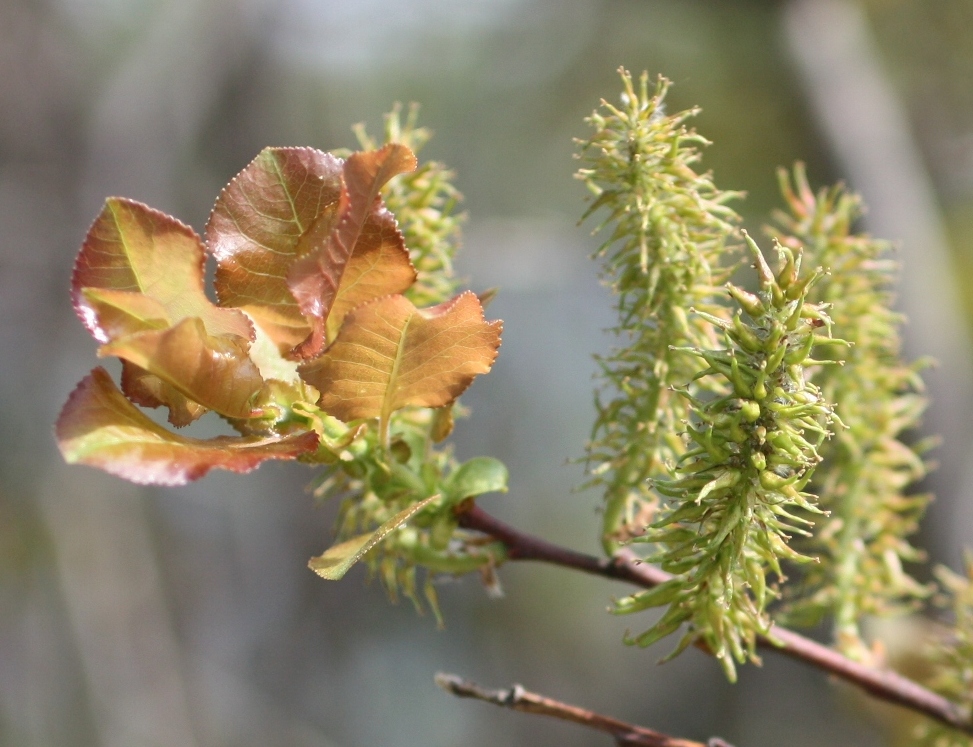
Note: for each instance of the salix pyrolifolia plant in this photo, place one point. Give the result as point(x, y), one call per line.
point(744, 431)
point(333, 341)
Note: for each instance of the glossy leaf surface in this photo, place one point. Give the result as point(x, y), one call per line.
point(101, 428)
point(140, 269)
point(213, 371)
point(389, 354)
point(365, 227)
point(283, 205)
point(138, 285)
point(148, 390)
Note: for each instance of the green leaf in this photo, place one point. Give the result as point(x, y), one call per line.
point(339, 558)
point(475, 477)
point(101, 428)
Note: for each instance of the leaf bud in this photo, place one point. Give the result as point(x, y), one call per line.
point(788, 273)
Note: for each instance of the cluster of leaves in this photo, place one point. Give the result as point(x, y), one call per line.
point(670, 229)
point(863, 542)
point(313, 351)
point(737, 495)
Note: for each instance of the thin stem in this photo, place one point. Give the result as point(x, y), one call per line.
point(519, 699)
point(883, 684)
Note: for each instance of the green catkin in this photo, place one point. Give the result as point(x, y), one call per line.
point(668, 232)
point(737, 495)
point(950, 657)
point(867, 469)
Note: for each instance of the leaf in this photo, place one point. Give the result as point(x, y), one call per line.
point(378, 267)
point(125, 312)
point(389, 354)
point(338, 559)
point(101, 428)
point(213, 371)
point(138, 268)
point(284, 203)
point(475, 477)
point(139, 275)
point(365, 227)
point(148, 390)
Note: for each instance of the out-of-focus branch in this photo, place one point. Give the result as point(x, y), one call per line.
point(858, 111)
point(519, 699)
point(883, 684)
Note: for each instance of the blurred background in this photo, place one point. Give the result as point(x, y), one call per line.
point(134, 617)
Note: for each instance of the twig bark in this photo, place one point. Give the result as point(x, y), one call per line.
point(519, 699)
point(883, 684)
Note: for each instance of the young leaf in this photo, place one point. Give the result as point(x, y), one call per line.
point(138, 277)
point(148, 390)
point(277, 209)
point(389, 354)
point(213, 371)
point(474, 477)
point(316, 279)
point(101, 428)
point(140, 269)
point(339, 558)
point(424, 203)
point(379, 266)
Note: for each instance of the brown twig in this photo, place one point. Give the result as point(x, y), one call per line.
point(519, 699)
point(883, 684)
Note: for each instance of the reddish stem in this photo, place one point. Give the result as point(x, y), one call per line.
point(883, 684)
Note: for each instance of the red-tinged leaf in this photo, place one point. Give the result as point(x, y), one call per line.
point(101, 428)
point(389, 354)
point(149, 390)
point(283, 205)
point(212, 371)
point(316, 279)
point(125, 312)
point(339, 559)
point(379, 266)
point(141, 251)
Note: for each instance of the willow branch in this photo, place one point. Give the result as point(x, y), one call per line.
point(519, 699)
point(883, 684)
